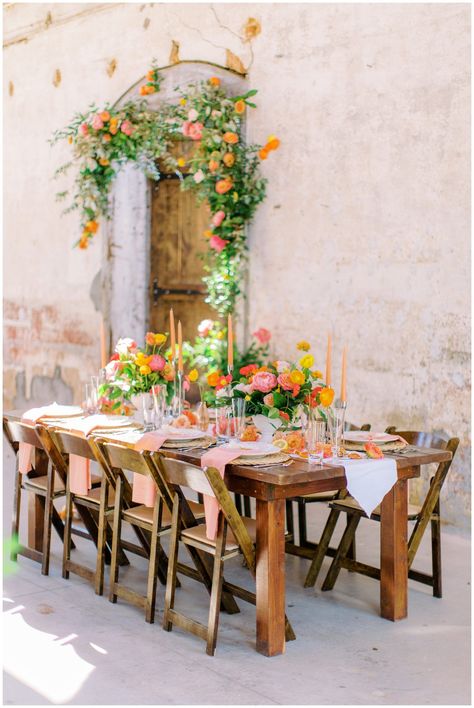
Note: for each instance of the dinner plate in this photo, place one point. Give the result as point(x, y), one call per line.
point(56, 410)
point(112, 421)
point(182, 434)
point(363, 436)
point(251, 449)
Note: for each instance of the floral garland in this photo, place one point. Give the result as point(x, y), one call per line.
point(223, 171)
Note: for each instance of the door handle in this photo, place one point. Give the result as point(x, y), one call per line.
point(157, 291)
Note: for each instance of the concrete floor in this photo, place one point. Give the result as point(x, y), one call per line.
point(63, 644)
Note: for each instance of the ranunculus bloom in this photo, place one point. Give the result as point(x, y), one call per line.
point(217, 243)
point(195, 131)
point(263, 335)
point(198, 176)
point(297, 377)
point(263, 154)
point(296, 390)
point(205, 327)
point(224, 185)
point(307, 361)
point(218, 218)
point(192, 114)
point(168, 372)
point(214, 81)
point(84, 129)
point(97, 122)
point(268, 400)
point(264, 381)
point(326, 396)
point(285, 381)
point(239, 106)
point(229, 159)
point(157, 363)
point(126, 345)
point(127, 128)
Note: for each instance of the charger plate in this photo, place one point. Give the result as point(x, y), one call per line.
point(275, 458)
point(386, 447)
point(182, 444)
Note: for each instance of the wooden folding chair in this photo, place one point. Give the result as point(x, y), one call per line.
point(156, 520)
point(428, 513)
point(43, 482)
point(305, 548)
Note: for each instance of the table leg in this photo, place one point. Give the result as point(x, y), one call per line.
point(270, 577)
point(394, 553)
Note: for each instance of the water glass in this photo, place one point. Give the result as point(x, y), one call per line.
point(91, 403)
point(159, 405)
point(238, 416)
point(315, 436)
point(202, 413)
point(336, 428)
point(223, 423)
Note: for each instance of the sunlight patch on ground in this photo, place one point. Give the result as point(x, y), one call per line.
point(45, 662)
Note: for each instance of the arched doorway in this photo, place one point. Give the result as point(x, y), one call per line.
point(155, 233)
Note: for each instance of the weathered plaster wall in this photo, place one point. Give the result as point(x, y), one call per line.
point(365, 230)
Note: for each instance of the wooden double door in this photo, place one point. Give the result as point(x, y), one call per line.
point(178, 223)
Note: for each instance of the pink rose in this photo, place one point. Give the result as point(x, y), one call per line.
point(218, 218)
point(127, 128)
point(195, 131)
point(268, 400)
point(217, 243)
point(264, 381)
point(285, 381)
point(157, 363)
point(84, 129)
point(97, 122)
point(263, 335)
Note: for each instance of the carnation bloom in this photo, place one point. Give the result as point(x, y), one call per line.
point(157, 363)
point(97, 122)
point(264, 381)
point(218, 218)
point(263, 335)
point(127, 128)
point(217, 243)
point(198, 176)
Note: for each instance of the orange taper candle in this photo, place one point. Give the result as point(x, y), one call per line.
point(230, 342)
point(180, 347)
point(343, 375)
point(328, 362)
point(103, 346)
point(172, 335)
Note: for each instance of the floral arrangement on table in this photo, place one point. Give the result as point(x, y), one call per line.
point(279, 389)
point(223, 171)
point(133, 370)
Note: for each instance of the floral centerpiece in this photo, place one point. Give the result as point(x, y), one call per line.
point(133, 370)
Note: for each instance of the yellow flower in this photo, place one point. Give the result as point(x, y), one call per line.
point(247, 398)
point(303, 346)
point(297, 377)
point(208, 233)
point(235, 196)
point(142, 359)
point(145, 369)
point(160, 339)
point(307, 361)
point(193, 375)
point(326, 396)
point(220, 334)
point(317, 374)
point(182, 101)
point(181, 162)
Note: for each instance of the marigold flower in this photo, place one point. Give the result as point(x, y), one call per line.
point(297, 377)
point(303, 346)
point(230, 138)
point(307, 361)
point(224, 185)
point(91, 227)
point(229, 159)
point(326, 396)
point(213, 378)
point(239, 106)
point(145, 370)
point(214, 81)
point(193, 375)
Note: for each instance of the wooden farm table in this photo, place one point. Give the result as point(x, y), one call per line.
point(270, 487)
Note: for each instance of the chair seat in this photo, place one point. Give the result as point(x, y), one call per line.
point(317, 497)
point(350, 504)
point(94, 496)
point(96, 480)
point(145, 513)
point(42, 483)
point(198, 533)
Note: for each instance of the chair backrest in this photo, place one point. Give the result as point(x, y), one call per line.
point(119, 456)
point(351, 426)
point(71, 444)
point(17, 432)
point(183, 474)
point(420, 439)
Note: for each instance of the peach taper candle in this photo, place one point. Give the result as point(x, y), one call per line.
point(180, 347)
point(328, 361)
point(230, 343)
point(172, 335)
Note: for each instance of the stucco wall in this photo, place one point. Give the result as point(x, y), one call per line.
point(365, 230)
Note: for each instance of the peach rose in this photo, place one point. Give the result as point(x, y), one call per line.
point(268, 400)
point(97, 122)
point(229, 159)
point(264, 381)
point(285, 381)
point(230, 138)
point(224, 185)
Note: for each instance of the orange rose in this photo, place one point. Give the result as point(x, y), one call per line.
point(224, 185)
point(91, 227)
point(113, 127)
point(106, 137)
point(213, 165)
point(213, 378)
point(229, 159)
point(239, 106)
point(263, 154)
point(231, 138)
point(214, 81)
point(295, 441)
point(105, 116)
point(143, 91)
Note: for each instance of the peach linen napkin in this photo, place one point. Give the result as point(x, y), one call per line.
point(218, 458)
point(144, 489)
point(25, 450)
